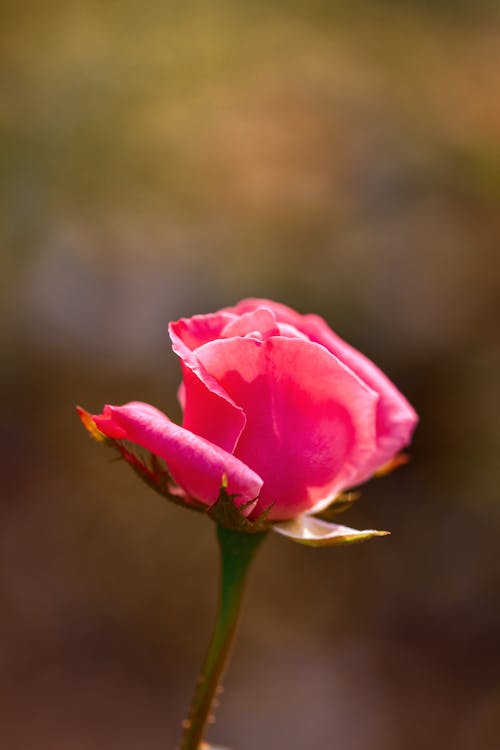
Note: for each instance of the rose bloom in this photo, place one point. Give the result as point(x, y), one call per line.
point(276, 405)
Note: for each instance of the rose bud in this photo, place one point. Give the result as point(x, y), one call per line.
point(280, 416)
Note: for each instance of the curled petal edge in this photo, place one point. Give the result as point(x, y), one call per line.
point(207, 395)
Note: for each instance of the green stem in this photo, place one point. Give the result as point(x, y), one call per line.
point(237, 550)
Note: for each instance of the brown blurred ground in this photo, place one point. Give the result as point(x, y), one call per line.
point(162, 159)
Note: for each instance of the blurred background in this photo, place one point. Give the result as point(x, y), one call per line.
point(160, 159)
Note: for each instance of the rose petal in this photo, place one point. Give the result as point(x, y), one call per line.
point(396, 418)
point(310, 420)
point(197, 465)
point(198, 330)
point(316, 533)
point(282, 313)
point(260, 323)
point(208, 409)
point(286, 329)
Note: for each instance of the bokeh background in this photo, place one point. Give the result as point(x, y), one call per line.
point(160, 159)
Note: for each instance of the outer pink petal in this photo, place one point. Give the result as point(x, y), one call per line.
point(194, 463)
point(208, 409)
point(311, 421)
point(396, 418)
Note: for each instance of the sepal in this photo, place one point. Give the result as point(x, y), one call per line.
point(150, 468)
point(400, 460)
point(153, 471)
point(342, 502)
point(226, 513)
point(317, 533)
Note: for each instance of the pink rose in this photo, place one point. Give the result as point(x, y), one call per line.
point(276, 403)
